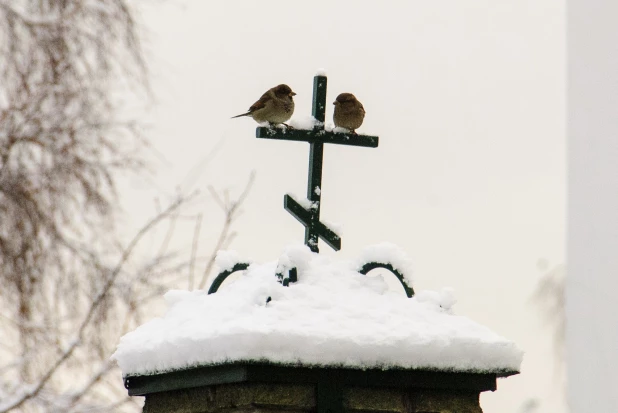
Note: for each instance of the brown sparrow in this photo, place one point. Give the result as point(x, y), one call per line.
point(349, 112)
point(275, 106)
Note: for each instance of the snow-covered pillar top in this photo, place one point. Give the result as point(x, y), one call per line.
point(317, 136)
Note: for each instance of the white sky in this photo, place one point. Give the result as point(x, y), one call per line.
point(467, 98)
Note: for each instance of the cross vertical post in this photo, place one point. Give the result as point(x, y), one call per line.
point(317, 136)
point(316, 158)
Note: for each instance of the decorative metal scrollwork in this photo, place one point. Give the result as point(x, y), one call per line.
point(240, 266)
point(291, 275)
point(373, 265)
point(286, 277)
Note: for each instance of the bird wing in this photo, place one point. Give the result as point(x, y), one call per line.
point(260, 103)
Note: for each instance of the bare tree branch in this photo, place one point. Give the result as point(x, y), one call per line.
point(196, 235)
point(93, 308)
point(231, 210)
point(70, 286)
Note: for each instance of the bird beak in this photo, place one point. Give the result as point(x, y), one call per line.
point(335, 103)
point(292, 94)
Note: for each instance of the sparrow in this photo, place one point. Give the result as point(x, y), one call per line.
point(275, 106)
point(349, 112)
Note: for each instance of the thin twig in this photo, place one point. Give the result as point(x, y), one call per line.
point(196, 235)
point(231, 209)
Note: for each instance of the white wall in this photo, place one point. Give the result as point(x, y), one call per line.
point(592, 282)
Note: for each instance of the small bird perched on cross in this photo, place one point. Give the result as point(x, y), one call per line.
point(275, 106)
point(349, 112)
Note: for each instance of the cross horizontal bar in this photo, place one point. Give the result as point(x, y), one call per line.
point(311, 136)
point(304, 217)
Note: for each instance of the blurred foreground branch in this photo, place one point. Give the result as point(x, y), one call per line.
point(70, 288)
point(93, 307)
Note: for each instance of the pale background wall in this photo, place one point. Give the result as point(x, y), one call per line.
point(468, 99)
point(592, 283)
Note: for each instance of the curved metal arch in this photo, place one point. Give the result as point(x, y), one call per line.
point(387, 266)
point(214, 287)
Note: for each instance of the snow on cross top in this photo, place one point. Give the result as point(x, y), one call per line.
point(304, 122)
point(333, 316)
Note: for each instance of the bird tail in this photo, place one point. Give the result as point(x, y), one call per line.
point(238, 116)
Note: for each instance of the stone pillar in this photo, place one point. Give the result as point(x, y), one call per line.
point(292, 398)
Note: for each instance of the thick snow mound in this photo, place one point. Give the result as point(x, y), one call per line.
point(387, 253)
point(332, 316)
point(226, 260)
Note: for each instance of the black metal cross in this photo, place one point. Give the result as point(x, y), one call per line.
point(317, 137)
